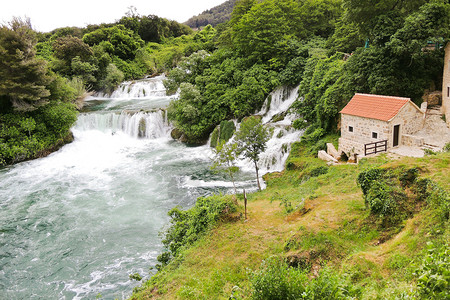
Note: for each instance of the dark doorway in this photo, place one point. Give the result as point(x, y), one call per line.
point(396, 135)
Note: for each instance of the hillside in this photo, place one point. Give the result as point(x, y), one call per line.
point(216, 15)
point(315, 219)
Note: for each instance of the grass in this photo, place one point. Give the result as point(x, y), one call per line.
point(329, 226)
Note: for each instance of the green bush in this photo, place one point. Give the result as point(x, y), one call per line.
point(366, 178)
point(318, 171)
point(436, 197)
point(276, 280)
point(380, 199)
point(446, 148)
point(409, 176)
point(434, 273)
point(187, 226)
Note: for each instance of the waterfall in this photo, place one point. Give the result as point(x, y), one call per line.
point(149, 125)
point(278, 148)
point(278, 102)
point(139, 89)
point(277, 118)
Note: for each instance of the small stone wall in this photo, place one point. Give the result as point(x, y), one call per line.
point(446, 85)
point(350, 147)
point(412, 141)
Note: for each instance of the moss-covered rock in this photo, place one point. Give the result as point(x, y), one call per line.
point(215, 137)
point(176, 133)
point(227, 129)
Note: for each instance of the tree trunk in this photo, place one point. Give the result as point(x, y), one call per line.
point(257, 175)
point(234, 185)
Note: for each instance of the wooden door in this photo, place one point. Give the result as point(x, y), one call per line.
point(396, 135)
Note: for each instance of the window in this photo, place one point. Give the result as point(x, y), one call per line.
point(374, 135)
point(448, 91)
point(350, 128)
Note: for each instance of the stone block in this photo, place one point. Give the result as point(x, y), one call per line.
point(434, 98)
point(331, 150)
point(326, 157)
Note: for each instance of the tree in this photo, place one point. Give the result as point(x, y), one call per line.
point(68, 47)
point(264, 32)
point(122, 42)
point(23, 77)
point(251, 140)
point(364, 13)
point(225, 157)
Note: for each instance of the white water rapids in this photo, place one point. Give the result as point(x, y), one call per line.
point(75, 224)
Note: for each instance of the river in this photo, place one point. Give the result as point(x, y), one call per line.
point(76, 224)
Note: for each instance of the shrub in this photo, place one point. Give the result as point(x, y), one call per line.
point(318, 171)
point(187, 226)
point(434, 273)
point(446, 148)
point(409, 176)
point(366, 178)
point(380, 199)
point(276, 280)
point(436, 197)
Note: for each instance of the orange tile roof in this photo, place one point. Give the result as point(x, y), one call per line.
point(376, 107)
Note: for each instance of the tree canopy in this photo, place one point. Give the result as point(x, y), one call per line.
point(23, 77)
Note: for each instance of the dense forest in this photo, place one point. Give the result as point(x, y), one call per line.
point(214, 16)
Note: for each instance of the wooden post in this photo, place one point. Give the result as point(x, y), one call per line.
point(245, 205)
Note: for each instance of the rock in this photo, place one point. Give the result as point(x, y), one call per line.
point(433, 98)
point(326, 157)
point(183, 138)
point(331, 150)
point(176, 134)
point(142, 128)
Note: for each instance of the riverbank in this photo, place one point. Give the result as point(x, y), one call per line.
point(314, 217)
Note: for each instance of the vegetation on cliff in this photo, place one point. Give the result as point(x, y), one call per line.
point(214, 16)
point(37, 105)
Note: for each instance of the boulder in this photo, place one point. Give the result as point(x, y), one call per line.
point(331, 150)
point(326, 157)
point(433, 98)
point(176, 133)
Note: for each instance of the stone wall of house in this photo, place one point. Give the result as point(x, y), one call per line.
point(410, 118)
point(446, 85)
point(353, 142)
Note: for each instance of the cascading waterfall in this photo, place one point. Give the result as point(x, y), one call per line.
point(147, 88)
point(150, 125)
point(276, 116)
point(77, 223)
point(278, 102)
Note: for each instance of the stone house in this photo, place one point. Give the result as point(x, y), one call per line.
point(446, 85)
point(384, 120)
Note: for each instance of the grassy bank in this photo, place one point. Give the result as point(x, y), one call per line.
point(331, 243)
